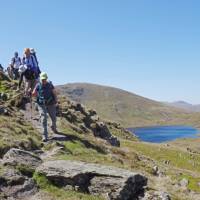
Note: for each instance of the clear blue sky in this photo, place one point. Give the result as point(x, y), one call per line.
point(149, 47)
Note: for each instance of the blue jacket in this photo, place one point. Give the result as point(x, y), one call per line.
point(29, 61)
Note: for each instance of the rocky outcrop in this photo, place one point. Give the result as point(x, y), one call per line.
point(4, 111)
point(86, 120)
point(17, 157)
point(101, 130)
point(17, 168)
point(14, 185)
point(4, 77)
point(156, 195)
point(112, 183)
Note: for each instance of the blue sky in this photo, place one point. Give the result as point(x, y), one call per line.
point(149, 47)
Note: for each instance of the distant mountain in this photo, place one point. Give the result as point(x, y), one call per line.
point(186, 106)
point(124, 107)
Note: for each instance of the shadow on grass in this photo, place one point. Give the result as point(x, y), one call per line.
point(60, 136)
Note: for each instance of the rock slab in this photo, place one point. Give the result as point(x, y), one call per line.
point(20, 157)
point(111, 182)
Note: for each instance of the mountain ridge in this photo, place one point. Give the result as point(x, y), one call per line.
point(185, 105)
point(124, 107)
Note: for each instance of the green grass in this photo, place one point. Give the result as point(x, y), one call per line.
point(5, 86)
point(14, 134)
point(78, 151)
point(25, 170)
point(193, 182)
point(59, 193)
point(177, 158)
point(1, 170)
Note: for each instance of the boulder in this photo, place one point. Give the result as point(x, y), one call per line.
point(4, 96)
point(4, 111)
point(112, 183)
point(157, 195)
point(19, 191)
point(3, 77)
point(11, 177)
point(184, 183)
point(83, 120)
point(102, 131)
point(155, 170)
point(18, 157)
point(15, 185)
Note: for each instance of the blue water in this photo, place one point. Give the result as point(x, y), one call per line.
point(158, 134)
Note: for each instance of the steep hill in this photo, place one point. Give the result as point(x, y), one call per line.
point(124, 107)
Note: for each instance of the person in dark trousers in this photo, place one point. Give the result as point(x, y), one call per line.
point(28, 77)
point(46, 96)
point(15, 63)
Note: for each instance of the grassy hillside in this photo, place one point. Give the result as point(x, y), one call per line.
point(175, 161)
point(124, 107)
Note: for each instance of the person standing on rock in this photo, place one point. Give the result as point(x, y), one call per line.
point(15, 63)
point(46, 99)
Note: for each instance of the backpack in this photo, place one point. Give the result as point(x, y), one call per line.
point(30, 74)
point(34, 55)
point(45, 94)
point(32, 71)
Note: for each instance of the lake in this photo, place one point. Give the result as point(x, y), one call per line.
point(158, 134)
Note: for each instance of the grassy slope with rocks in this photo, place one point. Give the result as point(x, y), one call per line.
point(14, 130)
point(126, 108)
point(175, 160)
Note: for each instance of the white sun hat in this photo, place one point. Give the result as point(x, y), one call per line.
point(32, 50)
point(22, 68)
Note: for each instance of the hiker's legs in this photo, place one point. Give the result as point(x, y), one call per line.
point(27, 87)
point(10, 72)
point(33, 84)
point(15, 74)
point(51, 109)
point(43, 114)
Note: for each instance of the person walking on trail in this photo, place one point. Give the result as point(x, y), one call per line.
point(28, 70)
point(46, 96)
point(15, 63)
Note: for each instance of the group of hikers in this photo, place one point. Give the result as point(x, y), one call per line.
point(27, 71)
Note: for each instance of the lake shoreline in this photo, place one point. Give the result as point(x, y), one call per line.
point(162, 134)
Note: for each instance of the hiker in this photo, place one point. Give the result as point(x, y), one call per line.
point(15, 63)
point(10, 71)
point(1, 68)
point(33, 53)
point(46, 97)
point(28, 70)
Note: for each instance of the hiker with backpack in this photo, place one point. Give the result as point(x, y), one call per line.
point(28, 70)
point(33, 53)
point(46, 97)
point(15, 63)
point(1, 68)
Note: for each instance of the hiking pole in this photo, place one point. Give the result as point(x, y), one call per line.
point(31, 100)
point(31, 106)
